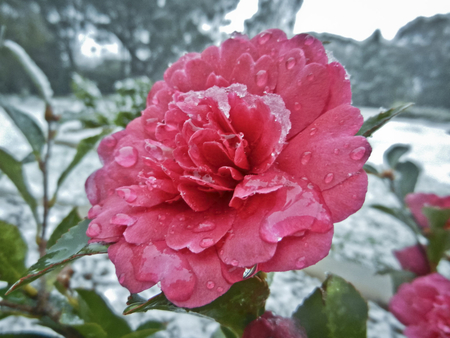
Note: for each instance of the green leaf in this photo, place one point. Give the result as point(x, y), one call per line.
point(71, 246)
point(393, 154)
point(28, 126)
point(400, 215)
point(29, 158)
point(223, 332)
point(123, 118)
point(141, 334)
point(26, 335)
point(370, 169)
point(93, 309)
point(398, 277)
point(90, 330)
point(439, 236)
point(83, 148)
point(68, 222)
point(13, 251)
point(152, 324)
point(406, 183)
point(374, 123)
point(335, 310)
point(13, 169)
point(243, 303)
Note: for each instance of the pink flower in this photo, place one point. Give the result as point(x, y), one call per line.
point(270, 326)
point(241, 162)
point(416, 202)
point(424, 307)
point(413, 258)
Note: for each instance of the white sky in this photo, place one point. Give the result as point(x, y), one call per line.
point(356, 19)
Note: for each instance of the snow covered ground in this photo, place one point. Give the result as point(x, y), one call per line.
point(366, 238)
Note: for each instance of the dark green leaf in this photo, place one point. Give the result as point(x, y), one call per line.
point(152, 324)
point(370, 169)
point(29, 158)
point(243, 303)
point(406, 183)
point(13, 251)
point(141, 334)
point(123, 118)
point(27, 335)
point(398, 277)
point(28, 126)
point(93, 309)
point(336, 310)
point(68, 222)
point(374, 123)
point(90, 330)
point(83, 148)
point(393, 154)
point(223, 332)
point(439, 236)
point(399, 214)
point(13, 169)
point(71, 246)
point(312, 316)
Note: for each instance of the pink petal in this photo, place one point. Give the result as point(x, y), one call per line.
point(122, 254)
point(269, 41)
point(145, 196)
point(196, 198)
point(210, 284)
point(198, 231)
point(413, 258)
point(416, 202)
point(312, 48)
point(340, 90)
point(295, 253)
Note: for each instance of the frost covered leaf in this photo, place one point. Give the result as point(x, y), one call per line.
point(68, 222)
point(72, 245)
point(13, 169)
point(335, 310)
point(439, 237)
point(406, 183)
point(36, 74)
point(28, 126)
point(13, 251)
point(244, 302)
point(94, 309)
point(374, 123)
point(393, 154)
point(83, 148)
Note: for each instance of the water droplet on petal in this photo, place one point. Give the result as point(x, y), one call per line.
point(310, 186)
point(264, 37)
point(234, 262)
point(290, 63)
point(261, 78)
point(300, 263)
point(309, 40)
point(123, 219)
point(210, 285)
point(305, 157)
point(154, 151)
point(221, 252)
point(161, 217)
point(121, 278)
point(94, 211)
point(206, 242)
point(128, 194)
point(354, 197)
point(313, 131)
point(358, 153)
point(126, 157)
point(336, 151)
point(220, 289)
point(182, 218)
point(310, 77)
point(109, 141)
point(297, 106)
point(328, 178)
point(205, 226)
point(94, 230)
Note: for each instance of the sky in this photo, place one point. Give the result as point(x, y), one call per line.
point(356, 19)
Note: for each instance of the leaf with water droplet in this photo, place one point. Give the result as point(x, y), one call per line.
point(71, 246)
point(374, 123)
point(244, 302)
point(335, 310)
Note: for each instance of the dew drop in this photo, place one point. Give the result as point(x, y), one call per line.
point(313, 131)
point(309, 40)
point(123, 219)
point(290, 63)
point(304, 178)
point(126, 157)
point(328, 178)
point(161, 217)
point(300, 263)
point(297, 106)
point(221, 252)
point(220, 289)
point(94, 211)
point(154, 151)
point(122, 278)
point(205, 226)
point(109, 141)
point(358, 153)
point(336, 151)
point(305, 157)
point(261, 78)
point(210, 285)
point(310, 77)
point(94, 230)
point(182, 218)
point(206, 242)
point(354, 197)
point(310, 186)
point(264, 37)
point(128, 194)
point(234, 262)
